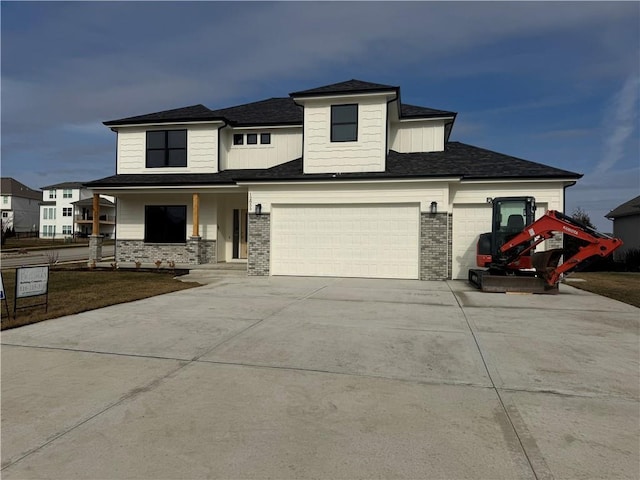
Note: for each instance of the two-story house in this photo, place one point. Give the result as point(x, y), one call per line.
point(19, 206)
point(341, 180)
point(66, 210)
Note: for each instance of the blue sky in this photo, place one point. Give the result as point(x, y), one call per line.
point(555, 83)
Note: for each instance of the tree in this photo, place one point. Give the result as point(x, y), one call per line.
point(581, 216)
point(572, 244)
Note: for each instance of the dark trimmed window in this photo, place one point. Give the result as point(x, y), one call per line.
point(165, 223)
point(252, 138)
point(166, 148)
point(265, 138)
point(344, 123)
point(66, 211)
point(238, 139)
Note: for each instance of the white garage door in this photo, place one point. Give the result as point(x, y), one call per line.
point(371, 241)
point(469, 221)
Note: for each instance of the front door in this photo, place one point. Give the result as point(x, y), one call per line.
point(239, 233)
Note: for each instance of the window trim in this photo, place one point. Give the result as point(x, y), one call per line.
point(166, 148)
point(67, 195)
point(334, 123)
point(267, 135)
point(67, 209)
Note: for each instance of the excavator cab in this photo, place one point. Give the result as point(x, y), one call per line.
point(509, 217)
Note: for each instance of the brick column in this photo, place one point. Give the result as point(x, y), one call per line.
point(434, 246)
point(95, 248)
point(259, 244)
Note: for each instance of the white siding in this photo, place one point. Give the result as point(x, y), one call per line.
point(412, 137)
point(422, 193)
point(202, 149)
point(286, 145)
point(367, 154)
point(131, 213)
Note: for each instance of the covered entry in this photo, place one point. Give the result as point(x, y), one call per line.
point(366, 240)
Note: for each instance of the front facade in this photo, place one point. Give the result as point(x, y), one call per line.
point(66, 211)
point(341, 180)
point(19, 206)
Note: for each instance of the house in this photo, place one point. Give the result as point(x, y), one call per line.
point(19, 207)
point(626, 226)
point(67, 210)
point(341, 180)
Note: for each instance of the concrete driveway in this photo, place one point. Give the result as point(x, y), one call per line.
point(327, 378)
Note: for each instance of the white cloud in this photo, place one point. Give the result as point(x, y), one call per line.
point(620, 124)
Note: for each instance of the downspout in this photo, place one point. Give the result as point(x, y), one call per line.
point(387, 126)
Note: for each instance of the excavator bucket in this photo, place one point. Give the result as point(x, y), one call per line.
point(546, 262)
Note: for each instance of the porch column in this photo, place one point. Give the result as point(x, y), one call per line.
point(196, 215)
point(96, 215)
point(95, 241)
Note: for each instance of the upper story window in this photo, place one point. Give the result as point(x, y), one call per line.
point(251, 138)
point(344, 123)
point(66, 193)
point(166, 148)
point(5, 199)
point(67, 211)
point(52, 194)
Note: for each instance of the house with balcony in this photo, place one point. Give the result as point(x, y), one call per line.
point(19, 207)
point(343, 180)
point(66, 211)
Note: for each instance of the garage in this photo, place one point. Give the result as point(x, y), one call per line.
point(361, 240)
point(469, 221)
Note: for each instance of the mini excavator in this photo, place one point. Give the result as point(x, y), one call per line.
point(507, 254)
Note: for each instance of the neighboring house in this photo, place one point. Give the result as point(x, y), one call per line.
point(343, 180)
point(66, 211)
point(19, 206)
point(626, 226)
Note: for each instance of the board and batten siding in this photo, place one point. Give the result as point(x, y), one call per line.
point(352, 193)
point(412, 137)
point(367, 154)
point(286, 145)
point(131, 213)
point(202, 149)
point(549, 193)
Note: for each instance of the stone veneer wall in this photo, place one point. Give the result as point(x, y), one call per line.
point(195, 252)
point(435, 245)
point(259, 244)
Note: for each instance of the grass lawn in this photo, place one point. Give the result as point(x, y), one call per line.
point(78, 290)
point(624, 287)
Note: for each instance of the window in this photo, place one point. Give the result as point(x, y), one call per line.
point(238, 139)
point(67, 211)
point(66, 229)
point(344, 123)
point(165, 224)
point(52, 194)
point(5, 214)
point(252, 138)
point(5, 199)
point(166, 148)
point(49, 214)
point(66, 193)
point(49, 231)
point(265, 138)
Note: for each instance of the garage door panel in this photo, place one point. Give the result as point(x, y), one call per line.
point(379, 241)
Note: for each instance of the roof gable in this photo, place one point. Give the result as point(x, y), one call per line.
point(10, 186)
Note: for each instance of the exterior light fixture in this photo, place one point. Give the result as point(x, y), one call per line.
point(489, 200)
point(258, 209)
point(434, 207)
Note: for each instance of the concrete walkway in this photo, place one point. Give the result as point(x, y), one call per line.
point(327, 378)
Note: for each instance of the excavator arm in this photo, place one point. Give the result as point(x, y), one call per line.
point(545, 263)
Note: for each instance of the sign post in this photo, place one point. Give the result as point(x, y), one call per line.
point(3, 296)
point(32, 282)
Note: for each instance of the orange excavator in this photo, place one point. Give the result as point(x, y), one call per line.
point(507, 254)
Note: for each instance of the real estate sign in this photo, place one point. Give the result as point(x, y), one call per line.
point(32, 281)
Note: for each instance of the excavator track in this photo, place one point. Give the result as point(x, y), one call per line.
point(488, 282)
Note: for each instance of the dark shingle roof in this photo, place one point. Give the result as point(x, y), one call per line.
point(185, 114)
point(457, 160)
point(632, 207)
point(350, 86)
point(63, 185)
point(412, 111)
point(274, 111)
point(10, 186)
point(88, 202)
